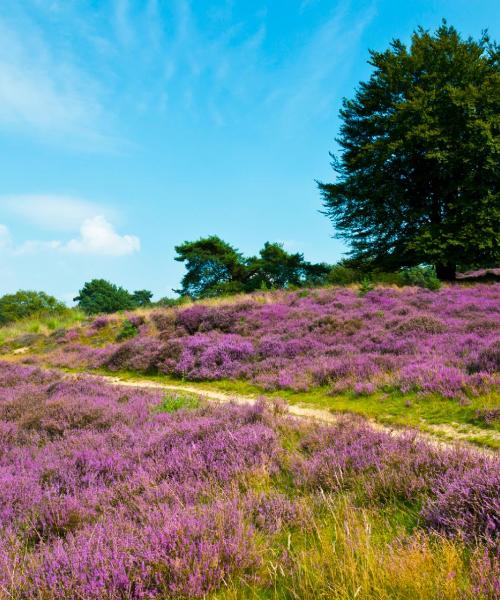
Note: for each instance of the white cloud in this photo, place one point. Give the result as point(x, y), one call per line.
point(36, 247)
point(53, 212)
point(97, 236)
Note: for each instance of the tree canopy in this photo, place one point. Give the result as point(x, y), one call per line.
point(214, 267)
point(101, 296)
point(142, 297)
point(418, 172)
point(26, 303)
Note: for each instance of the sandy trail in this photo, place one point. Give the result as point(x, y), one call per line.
point(454, 438)
point(215, 396)
point(304, 412)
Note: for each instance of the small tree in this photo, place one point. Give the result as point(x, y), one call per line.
point(26, 303)
point(277, 268)
point(419, 170)
point(101, 296)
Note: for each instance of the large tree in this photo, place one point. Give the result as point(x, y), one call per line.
point(418, 171)
point(277, 268)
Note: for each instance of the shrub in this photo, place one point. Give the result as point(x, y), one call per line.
point(128, 330)
point(467, 504)
point(421, 276)
point(366, 286)
point(487, 359)
point(170, 302)
point(342, 275)
point(26, 303)
point(101, 296)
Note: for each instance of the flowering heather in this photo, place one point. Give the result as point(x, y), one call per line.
point(111, 498)
point(411, 339)
point(103, 496)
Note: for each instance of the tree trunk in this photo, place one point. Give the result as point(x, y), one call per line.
point(446, 271)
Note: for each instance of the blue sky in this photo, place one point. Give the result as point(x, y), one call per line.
point(129, 126)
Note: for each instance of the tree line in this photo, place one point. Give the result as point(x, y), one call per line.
point(214, 268)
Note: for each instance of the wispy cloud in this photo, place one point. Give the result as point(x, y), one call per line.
point(124, 29)
point(54, 212)
point(5, 239)
point(308, 86)
point(43, 92)
point(172, 60)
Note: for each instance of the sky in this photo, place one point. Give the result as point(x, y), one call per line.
point(130, 126)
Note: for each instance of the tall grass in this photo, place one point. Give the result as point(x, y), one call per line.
point(41, 323)
point(356, 553)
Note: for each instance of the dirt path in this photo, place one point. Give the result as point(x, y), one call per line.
point(304, 412)
point(215, 396)
point(445, 436)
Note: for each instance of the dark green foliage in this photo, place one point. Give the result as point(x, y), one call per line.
point(26, 303)
point(277, 268)
point(142, 297)
point(128, 330)
point(418, 174)
point(421, 276)
point(101, 296)
point(215, 268)
point(316, 273)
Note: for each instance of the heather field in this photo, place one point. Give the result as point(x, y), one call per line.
point(249, 300)
point(404, 356)
point(111, 492)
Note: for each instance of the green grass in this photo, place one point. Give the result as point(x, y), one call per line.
point(345, 546)
point(171, 404)
point(40, 324)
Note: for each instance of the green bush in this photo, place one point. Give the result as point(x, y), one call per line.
point(27, 303)
point(128, 330)
point(171, 302)
point(421, 276)
point(174, 403)
point(342, 275)
point(366, 286)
